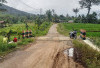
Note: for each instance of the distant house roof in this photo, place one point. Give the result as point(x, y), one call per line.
point(70, 21)
point(1, 22)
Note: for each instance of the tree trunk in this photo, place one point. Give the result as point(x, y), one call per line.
point(88, 11)
point(76, 14)
point(89, 8)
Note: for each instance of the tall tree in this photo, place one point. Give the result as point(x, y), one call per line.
point(49, 15)
point(88, 4)
point(76, 11)
point(53, 11)
point(53, 15)
point(92, 18)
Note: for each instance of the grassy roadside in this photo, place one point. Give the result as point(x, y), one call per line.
point(7, 48)
point(85, 55)
point(62, 30)
point(65, 28)
point(96, 40)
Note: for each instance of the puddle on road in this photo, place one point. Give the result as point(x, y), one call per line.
point(69, 52)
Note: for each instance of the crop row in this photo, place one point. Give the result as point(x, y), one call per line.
point(78, 26)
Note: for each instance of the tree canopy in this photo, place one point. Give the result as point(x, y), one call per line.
point(88, 4)
point(76, 11)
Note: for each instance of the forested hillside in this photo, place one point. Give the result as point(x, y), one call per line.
point(11, 10)
point(13, 16)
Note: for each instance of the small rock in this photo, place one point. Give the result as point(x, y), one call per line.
point(0, 58)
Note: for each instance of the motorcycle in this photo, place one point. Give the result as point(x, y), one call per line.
point(73, 35)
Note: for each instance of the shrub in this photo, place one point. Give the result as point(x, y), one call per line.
point(12, 45)
point(17, 30)
point(3, 47)
point(6, 47)
point(30, 40)
point(87, 55)
point(25, 41)
point(20, 43)
point(96, 40)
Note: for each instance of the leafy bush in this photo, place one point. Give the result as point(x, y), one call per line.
point(3, 47)
point(6, 47)
point(12, 45)
point(20, 43)
point(16, 30)
point(25, 41)
point(87, 55)
point(96, 40)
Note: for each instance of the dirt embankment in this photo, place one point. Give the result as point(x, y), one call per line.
point(46, 53)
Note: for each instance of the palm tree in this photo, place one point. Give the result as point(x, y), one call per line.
point(76, 11)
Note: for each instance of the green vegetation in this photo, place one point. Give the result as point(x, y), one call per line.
point(6, 48)
point(18, 21)
point(18, 28)
point(93, 30)
point(16, 31)
point(90, 28)
point(61, 29)
point(86, 55)
point(89, 57)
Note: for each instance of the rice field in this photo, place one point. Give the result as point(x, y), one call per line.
point(93, 30)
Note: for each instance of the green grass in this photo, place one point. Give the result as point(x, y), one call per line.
point(77, 26)
point(17, 29)
point(65, 28)
point(6, 48)
point(25, 41)
point(89, 57)
point(61, 29)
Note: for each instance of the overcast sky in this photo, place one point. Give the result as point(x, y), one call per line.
point(60, 6)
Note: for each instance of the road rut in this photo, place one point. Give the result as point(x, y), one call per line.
point(46, 53)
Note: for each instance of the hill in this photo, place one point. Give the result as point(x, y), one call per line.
point(13, 11)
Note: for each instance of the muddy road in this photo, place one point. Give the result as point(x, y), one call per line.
point(47, 52)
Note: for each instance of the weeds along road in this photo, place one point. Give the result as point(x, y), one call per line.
point(46, 53)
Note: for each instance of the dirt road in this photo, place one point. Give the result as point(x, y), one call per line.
point(46, 53)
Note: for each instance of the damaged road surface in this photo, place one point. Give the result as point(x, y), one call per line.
point(48, 52)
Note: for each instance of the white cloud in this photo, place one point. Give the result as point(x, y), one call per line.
point(60, 6)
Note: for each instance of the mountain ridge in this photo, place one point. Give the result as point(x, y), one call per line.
point(13, 11)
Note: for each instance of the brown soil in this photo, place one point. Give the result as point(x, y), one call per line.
point(46, 53)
